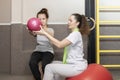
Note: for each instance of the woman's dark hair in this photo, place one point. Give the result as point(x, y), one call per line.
point(83, 24)
point(43, 11)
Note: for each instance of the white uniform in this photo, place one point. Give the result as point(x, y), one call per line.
point(75, 63)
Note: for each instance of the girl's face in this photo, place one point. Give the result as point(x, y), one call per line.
point(72, 23)
point(43, 19)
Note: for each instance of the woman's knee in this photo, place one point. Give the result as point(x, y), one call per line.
point(48, 67)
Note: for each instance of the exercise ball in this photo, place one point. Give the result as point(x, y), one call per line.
point(93, 72)
point(33, 24)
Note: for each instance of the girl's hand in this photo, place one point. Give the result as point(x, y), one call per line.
point(31, 32)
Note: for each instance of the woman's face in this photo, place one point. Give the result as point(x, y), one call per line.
point(43, 19)
point(72, 23)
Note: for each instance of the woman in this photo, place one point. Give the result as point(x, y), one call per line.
point(74, 64)
point(44, 51)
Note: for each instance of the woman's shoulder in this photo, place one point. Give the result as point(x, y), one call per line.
point(75, 32)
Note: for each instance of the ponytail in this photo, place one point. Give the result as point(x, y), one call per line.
point(84, 28)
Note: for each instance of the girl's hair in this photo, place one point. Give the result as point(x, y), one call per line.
point(83, 24)
point(43, 11)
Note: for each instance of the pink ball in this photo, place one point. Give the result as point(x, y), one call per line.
point(33, 24)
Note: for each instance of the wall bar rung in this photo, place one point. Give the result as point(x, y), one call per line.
point(109, 7)
point(112, 22)
point(109, 51)
point(110, 36)
point(112, 66)
point(109, 10)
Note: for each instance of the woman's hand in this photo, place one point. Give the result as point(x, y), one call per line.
point(41, 32)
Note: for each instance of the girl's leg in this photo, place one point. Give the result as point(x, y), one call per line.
point(46, 59)
point(33, 63)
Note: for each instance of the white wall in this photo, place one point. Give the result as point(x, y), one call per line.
point(110, 15)
point(59, 10)
point(5, 11)
point(16, 11)
point(110, 2)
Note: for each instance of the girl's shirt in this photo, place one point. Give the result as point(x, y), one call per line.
point(44, 43)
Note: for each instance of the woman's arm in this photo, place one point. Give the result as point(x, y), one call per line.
point(59, 44)
point(51, 32)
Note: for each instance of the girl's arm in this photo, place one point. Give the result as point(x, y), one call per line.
point(32, 33)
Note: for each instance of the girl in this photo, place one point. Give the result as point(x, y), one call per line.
point(44, 51)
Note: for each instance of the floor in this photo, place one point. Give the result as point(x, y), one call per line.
point(15, 77)
point(115, 73)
